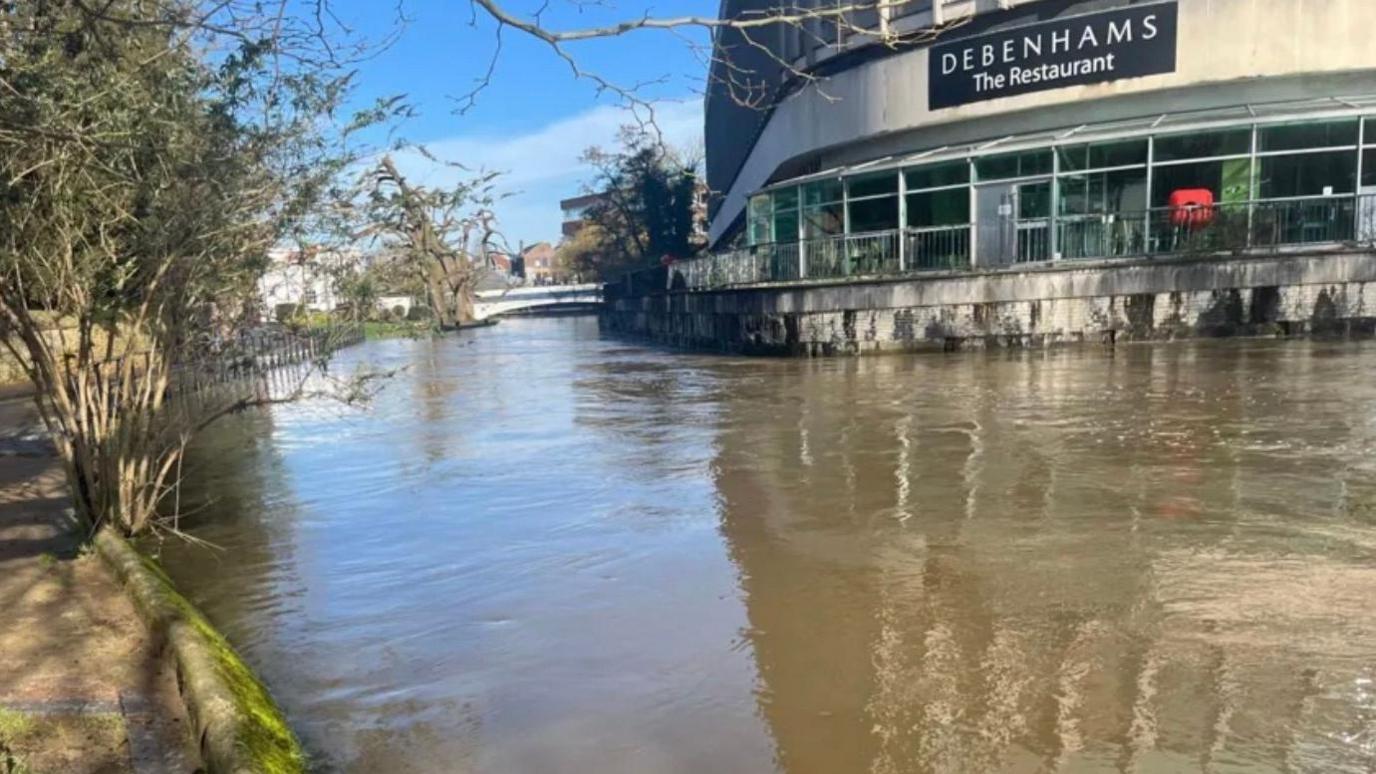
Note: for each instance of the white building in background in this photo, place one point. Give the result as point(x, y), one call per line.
point(308, 280)
point(392, 303)
point(298, 278)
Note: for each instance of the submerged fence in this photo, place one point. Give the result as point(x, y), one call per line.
point(272, 358)
point(1230, 228)
point(264, 363)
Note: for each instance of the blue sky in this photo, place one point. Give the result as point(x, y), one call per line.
point(535, 118)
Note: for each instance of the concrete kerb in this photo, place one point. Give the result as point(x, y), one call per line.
point(239, 729)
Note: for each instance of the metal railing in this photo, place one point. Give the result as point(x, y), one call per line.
point(1101, 236)
point(853, 255)
point(1235, 227)
point(1230, 227)
point(1034, 241)
point(873, 254)
point(944, 248)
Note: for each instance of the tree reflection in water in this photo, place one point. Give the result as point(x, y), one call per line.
point(546, 550)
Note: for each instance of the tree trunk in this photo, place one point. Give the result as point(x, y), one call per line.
point(439, 298)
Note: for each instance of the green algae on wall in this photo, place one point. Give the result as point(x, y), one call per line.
point(239, 727)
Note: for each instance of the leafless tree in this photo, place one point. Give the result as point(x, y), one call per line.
point(729, 38)
point(443, 235)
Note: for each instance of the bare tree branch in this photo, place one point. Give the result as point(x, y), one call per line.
point(745, 86)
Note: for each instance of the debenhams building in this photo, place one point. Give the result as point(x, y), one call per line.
point(1044, 130)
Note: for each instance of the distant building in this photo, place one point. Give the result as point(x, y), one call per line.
point(575, 212)
point(500, 263)
point(539, 263)
point(576, 209)
point(304, 278)
point(395, 304)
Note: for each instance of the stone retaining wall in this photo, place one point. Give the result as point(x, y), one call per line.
point(238, 727)
point(1290, 293)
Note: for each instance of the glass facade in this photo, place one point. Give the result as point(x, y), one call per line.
point(872, 202)
point(785, 215)
point(1202, 145)
point(1129, 195)
point(1014, 165)
point(823, 208)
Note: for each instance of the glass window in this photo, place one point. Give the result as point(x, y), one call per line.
point(1200, 145)
point(1118, 154)
point(785, 225)
point(1073, 157)
point(874, 185)
point(822, 192)
point(1022, 164)
point(939, 175)
point(1369, 168)
point(939, 208)
point(1306, 136)
point(1369, 132)
point(1108, 154)
point(1123, 190)
point(1034, 201)
point(1308, 174)
point(1076, 196)
point(879, 214)
point(758, 220)
point(785, 215)
point(1230, 180)
point(823, 220)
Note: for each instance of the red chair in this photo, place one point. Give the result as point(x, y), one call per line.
point(1191, 207)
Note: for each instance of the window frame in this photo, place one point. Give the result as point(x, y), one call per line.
point(832, 195)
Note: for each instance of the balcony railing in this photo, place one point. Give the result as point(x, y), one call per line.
point(945, 248)
point(1250, 227)
point(1221, 228)
point(852, 255)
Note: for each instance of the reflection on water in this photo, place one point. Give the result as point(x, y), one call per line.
point(544, 551)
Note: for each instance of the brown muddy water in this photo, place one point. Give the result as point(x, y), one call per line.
point(540, 550)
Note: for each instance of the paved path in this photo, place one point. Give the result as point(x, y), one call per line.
point(83, 686)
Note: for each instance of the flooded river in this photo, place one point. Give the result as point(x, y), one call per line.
point(539, 550)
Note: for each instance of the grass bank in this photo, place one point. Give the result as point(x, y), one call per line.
point(397, 330)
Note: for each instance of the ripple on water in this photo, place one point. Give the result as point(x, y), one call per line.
point(542, 550)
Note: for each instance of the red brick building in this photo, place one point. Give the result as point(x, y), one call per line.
point(539, 262)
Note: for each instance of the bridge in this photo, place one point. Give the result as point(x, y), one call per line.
point(546, 298)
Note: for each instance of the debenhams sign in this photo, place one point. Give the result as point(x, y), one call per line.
point(1126, 43)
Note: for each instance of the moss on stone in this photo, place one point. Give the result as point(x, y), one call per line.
point(263, 732)
point(240, 727)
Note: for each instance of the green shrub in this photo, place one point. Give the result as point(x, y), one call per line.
point(287, 312)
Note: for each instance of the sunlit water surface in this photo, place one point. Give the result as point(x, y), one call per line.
point(540, 550)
